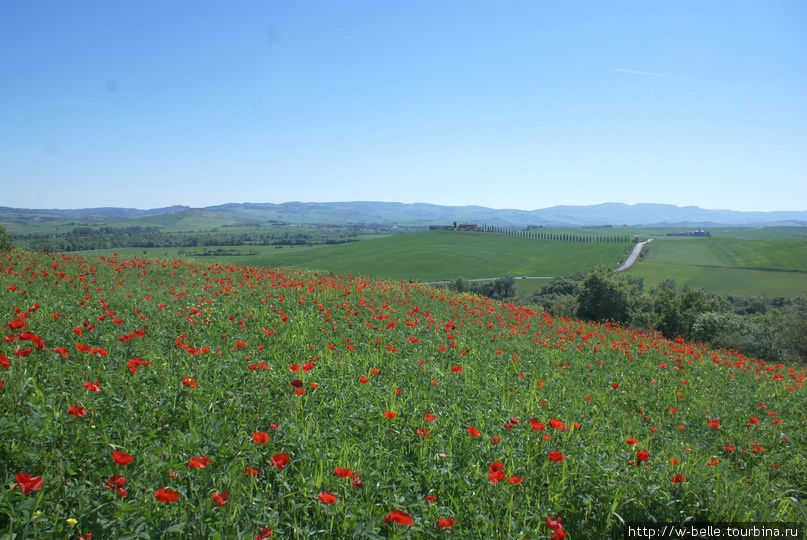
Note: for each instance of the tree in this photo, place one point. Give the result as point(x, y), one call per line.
point(5, 241)
point(606, 296)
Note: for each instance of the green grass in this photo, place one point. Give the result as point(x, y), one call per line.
point(315, 361)
point(436, 255)
point(726, 265)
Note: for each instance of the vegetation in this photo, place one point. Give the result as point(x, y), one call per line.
point(5, 241)
point(175, 399)
point(772, 329)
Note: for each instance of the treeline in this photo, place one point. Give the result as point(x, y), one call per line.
point(500, 288)
point(773, 329)
point(87, 238)
point(560, 236)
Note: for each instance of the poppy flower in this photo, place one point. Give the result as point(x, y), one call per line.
point(250, 471)
point(260, 437)
point(446, 523)
point(363, 379)
point(555, 456)
point(515, 480)
point(166, 495)
point(4, 361)
point(429, 417)
point(424, 432)
point(342, 472)
point(712, 462)
point(400, 517)
point(495, 440)
point(327, 498)
point(280, 461)
point(264, 534)
point(554, 524)
point(715, 424)
point(536, 424)
point(390, 414)
point(117, 482)
point(430, 498)
point(296, 383)
point(678, 479)
point(729, 447)
point(198, 462)
point(456, 369)
point(631, 440)
point(473, 431)
point(220, 498)
point(93, 386)
point(642, 455)
point(188, 382)
point(28, 483)
point(121, 458)
point(496, 476)
point(75, 410)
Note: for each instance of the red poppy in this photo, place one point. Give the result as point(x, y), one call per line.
point(446, 523)
point(198, 462)
point(631, 440)
point(280, 461)
point(75, 410)
point(166, 495)
point(4, 361)
point(429, 417)
point(430, 498)
point(121, 458)
point(220, 498)
point(555, 456)
point(28, 483)
point(399, 517)
point(327, 498)
point(264, 534)
point(712, 462)
point(363, 379)
point(473, 431)
point(188, 382)
point(614, 386)
point(515, 480)
point(260, 437)
point(117, 482)
point(390, 414)
point(554, 524)
point(536, 424)
point(729, 447)
point(496, 476)
point(93, 386)
point(250, 471)
point(342, 472)
point(296, 383)
point(495, 440)
point(678, 479)
point(715, 423)
point(424, 432)
point(642, 455)
point(16, 324)
point(456, 369)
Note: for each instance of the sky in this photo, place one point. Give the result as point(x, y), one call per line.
point(505, 104)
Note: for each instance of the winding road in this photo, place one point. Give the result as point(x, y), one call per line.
point(633, 256)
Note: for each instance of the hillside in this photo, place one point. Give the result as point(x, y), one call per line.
point(421, 214)
point(173, 398)
point(439, 255)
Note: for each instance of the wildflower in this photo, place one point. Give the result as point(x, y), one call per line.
point(327, 498)
point(400, 517)
point(121, 458)
point(198, 462)
point(678, 479)
point(260, 437)
point(77, 411)
point(446, 523)
point(28, 483)
point(220, 498)
point(166, 495)
point(93, 386)
point(188, 382)
point(342, 472)
point(555, 456)
point(390, 414)
point(280, 461)
point(473, 431)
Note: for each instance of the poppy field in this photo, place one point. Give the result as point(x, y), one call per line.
point(148, 398)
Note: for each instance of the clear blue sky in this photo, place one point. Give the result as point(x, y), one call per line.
point(505, 104)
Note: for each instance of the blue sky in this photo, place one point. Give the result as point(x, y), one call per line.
point(522, 104)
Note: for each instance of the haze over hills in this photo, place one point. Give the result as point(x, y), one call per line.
point(423, 214)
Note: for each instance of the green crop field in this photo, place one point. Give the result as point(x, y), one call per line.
point(729, 265)
point(436, 255)
point(172, 399)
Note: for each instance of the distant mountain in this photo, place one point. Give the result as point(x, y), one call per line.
point(422, 214)
point(108, 212)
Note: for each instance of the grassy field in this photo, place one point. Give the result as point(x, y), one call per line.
point(729, 265)
point(173, 399)
point(436, 255)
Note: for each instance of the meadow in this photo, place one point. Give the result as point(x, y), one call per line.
point(169, 398)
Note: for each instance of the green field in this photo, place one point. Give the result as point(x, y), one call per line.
point(437, 255)
point(729, 265)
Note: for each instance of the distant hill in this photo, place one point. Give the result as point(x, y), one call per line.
point(422, 214)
